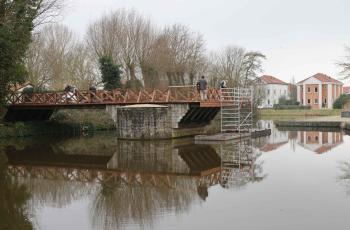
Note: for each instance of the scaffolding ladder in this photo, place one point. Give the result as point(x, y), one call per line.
point(236, 109)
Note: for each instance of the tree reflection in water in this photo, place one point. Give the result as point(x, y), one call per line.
point(131, 182)
point(344, 177)
point(13, 198)
point(57, 193)
point(156, 180)
point(113, 206)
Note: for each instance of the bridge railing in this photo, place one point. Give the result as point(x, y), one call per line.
point(175, 94)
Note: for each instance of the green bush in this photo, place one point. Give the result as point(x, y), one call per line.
point(284, 101)
point(285, 107)
point(340, 101)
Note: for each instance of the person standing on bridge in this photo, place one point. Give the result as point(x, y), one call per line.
point(202, 85)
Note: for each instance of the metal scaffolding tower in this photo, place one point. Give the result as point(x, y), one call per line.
point(237, 164)
point(236, 109)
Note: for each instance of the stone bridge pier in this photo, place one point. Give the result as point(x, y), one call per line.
point(151, 121)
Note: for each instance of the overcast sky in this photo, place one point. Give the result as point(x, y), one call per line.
point(299, 37)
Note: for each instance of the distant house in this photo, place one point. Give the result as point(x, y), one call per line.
point(346, 90)
point(274, 89)
point(319, 91)
point(277, 138)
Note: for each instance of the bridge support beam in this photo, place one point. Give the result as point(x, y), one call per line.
point(28, 114)
point(157, 121)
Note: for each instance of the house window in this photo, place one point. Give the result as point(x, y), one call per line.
point(308, 89)
point(308, 101)
point(308, 138)
point(285, 92)
point(316, 89)
point(316, 101)
point(316, 138)
point(268, 102)
point(325, 100)
point(268, 92)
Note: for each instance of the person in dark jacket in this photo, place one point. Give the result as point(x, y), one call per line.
point(202, 85)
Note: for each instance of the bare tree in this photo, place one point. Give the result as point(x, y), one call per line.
point(227, 64)
point(235, 65)
point(345, 65)
point(252, 65)
point(82, 69)
point(135, 43)
point(48, 11)
point(185, 53)
point(56, 58)
point(36, 64)
point(102, 37)
point(125, 36)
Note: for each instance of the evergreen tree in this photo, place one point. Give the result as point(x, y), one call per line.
point(110, 73)
point(16, 25)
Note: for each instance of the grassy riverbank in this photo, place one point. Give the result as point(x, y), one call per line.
point(66, 122)
point(266, 113)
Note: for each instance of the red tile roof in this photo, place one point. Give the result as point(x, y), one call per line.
point(323, 78)
point(269, 147)
point(271, 80)
point(346, 89)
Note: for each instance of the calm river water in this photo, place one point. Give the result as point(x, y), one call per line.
point(293, 179)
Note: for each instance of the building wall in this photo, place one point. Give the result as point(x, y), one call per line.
point(324, 97)
point(273, 92)
point(312, 95)
point(312, 137)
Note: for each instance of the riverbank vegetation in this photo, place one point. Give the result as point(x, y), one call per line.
point(68, 122)
point(265, 113)
point(341, 101)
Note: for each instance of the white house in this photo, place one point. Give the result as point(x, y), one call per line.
point(277, 138)
point(274, 89)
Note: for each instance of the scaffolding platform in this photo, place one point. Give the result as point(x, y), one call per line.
point(233, 136)
point(236, 110)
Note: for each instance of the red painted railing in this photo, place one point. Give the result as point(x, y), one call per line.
point(180, 94)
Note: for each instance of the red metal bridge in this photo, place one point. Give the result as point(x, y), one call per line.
point(40, 106)
point(172, 95)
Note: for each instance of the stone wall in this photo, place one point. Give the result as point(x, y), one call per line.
point(147, 121)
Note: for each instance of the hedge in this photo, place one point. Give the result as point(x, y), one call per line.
point(286, 107)
point(341, 101)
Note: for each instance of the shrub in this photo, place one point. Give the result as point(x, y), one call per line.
point(28, 90)
point(341, 101)
point(285, 107)
point(284, 101)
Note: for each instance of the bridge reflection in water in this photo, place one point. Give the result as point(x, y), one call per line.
point(144, 178)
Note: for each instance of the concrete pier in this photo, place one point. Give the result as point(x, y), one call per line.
point(150, 121)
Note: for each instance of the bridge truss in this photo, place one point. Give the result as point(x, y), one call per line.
point(173, 94)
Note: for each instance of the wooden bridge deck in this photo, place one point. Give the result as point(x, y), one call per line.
point(172, 95)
